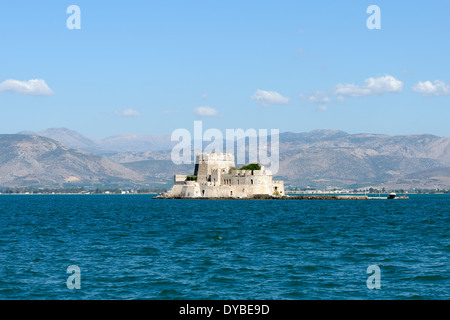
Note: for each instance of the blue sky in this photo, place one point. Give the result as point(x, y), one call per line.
point(149, 67)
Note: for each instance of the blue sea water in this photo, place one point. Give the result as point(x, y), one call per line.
point(136, 247)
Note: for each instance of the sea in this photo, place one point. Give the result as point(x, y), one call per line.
point(120, 247)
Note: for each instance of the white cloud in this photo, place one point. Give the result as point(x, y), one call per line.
point(34, 87)
point(373, 87)
point(432, 89)
point(268, 98)
point(128, 113)
point(319, 97)
point(204, 96)
point(206, 111)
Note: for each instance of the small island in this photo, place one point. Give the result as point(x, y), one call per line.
point(216, 177)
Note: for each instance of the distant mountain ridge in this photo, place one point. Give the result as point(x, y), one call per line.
point(69, 138)
point(42, 162)
point(318, 159)
point(109, 145)
point(327, 158)
point(323, 158)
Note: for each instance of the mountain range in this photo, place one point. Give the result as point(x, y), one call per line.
point(38, 161)
point(316, 159)
point(336, 158)
point(109, 145)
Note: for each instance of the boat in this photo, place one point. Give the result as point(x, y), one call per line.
point(393, 195)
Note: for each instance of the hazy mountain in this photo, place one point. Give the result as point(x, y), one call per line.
point(320, 158)
point(69, 138)
point(159, 172)
point(109, 145)
point(332, 158)
point(133, 156)
point(136, 142)
point(335, 158)
point(408, 146)
point(38, 161)
point(437, 178)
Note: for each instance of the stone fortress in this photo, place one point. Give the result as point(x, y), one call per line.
point(215, 176)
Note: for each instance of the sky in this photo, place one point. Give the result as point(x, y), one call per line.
point(150, 67)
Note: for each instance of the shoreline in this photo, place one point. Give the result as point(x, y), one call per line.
point(256, 197)
point(267, 197)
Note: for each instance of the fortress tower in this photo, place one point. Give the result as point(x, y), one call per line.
point(207, 163)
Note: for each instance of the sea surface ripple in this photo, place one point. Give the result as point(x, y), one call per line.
point(136, 247)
